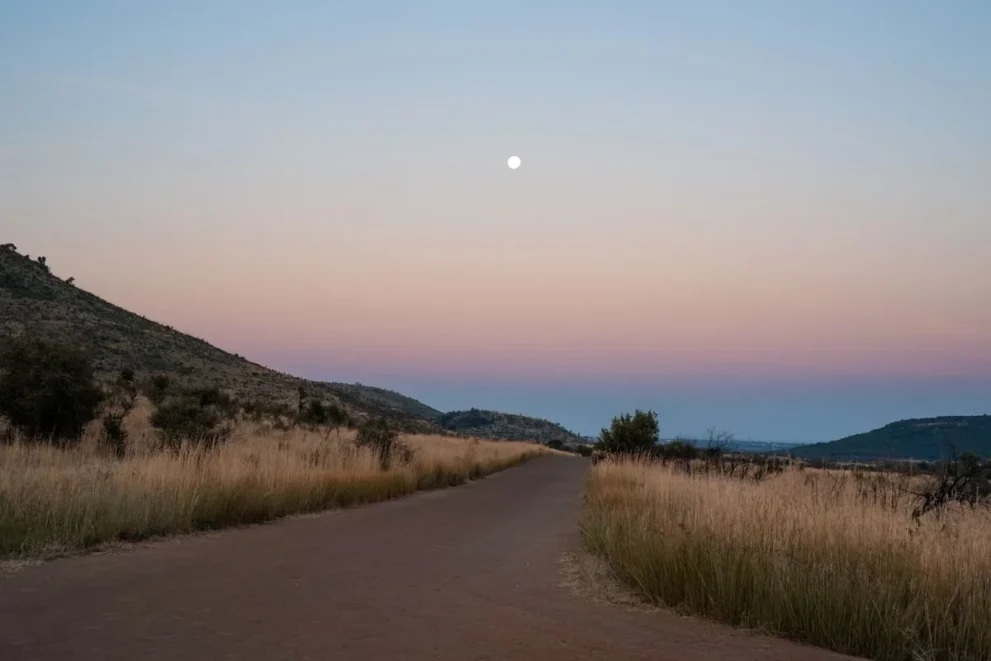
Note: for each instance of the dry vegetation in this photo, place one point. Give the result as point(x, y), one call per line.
point(60, 499)
point(835, 559)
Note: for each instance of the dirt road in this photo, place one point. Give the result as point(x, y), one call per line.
point(465, 573)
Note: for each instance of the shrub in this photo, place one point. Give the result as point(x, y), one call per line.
point(630, 434)
point(157, 388)
point(337, 417)
point(682, 449)
point(380, 435)
point(314, 413)
point(186, 419)
point(47, 389)
point(113, 436)
point(211, 396)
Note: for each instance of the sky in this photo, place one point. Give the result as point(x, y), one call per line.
point(767, 217)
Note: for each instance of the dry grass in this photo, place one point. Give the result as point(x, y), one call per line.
point(54, 501)
point(812, 556)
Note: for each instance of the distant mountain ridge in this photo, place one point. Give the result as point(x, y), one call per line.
point(757, 447)
point(506, 426)
point(917, 438)
point(32, 299)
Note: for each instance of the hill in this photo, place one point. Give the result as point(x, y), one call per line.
point(734, 445)
point(33, 299)
point(506, 426)
point(920, 438)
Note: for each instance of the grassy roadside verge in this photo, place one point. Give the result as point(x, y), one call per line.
point(54, 501)
point(829, 567)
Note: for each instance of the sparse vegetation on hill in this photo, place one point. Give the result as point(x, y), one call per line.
point(920, 438)
point(496, 425)
point(33, 299)
point(159, 359)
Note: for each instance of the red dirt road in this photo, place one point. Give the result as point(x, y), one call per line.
point(466, 573)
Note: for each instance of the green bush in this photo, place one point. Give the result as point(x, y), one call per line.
point(157, 388)
point(630, 434)
point(211, 396)
point(185, 419)
point(682, 449)
point(315, 413)
point(380, 435)
point(113, 436)
point(47, 389)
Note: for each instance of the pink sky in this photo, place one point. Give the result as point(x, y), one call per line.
point(703, 192)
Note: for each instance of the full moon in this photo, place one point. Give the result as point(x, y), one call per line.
point(513, 162)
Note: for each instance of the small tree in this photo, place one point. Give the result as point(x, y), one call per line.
point(630, 434)
point(47, 389)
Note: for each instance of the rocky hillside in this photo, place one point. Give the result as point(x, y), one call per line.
point(32, 299)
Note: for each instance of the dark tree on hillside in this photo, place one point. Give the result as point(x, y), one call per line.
point(630, 433)
point(47, 390)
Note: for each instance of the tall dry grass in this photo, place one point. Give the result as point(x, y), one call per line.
point(56, 500)
point(813, 557)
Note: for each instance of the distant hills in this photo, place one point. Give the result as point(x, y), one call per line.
point(920, 438)
point(762, 447)
point(34, 300)
point(508, 426)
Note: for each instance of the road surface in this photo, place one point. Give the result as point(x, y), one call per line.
point(465, 573)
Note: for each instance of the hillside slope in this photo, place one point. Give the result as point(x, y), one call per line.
point(33, 299)
point(920, 438)
point(506, 426)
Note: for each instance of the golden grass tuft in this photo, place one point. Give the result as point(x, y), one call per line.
point(54, 501)
point(827, 566)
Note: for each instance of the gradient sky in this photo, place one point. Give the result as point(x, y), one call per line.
point(769, 217)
